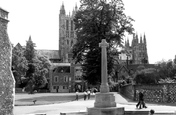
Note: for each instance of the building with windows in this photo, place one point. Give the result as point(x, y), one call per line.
point(61, 78)
point(66, 77)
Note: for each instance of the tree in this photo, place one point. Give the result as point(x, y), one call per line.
point(147, 76)
point(42, 65)
point(30, 55)
point(96, 20)
point(19, 64)
point(38, 67)
point(167, 69)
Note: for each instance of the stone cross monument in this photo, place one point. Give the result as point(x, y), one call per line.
point(104, 101)
point(104, 88)
point(7, 82)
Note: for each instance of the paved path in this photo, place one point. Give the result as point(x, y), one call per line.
point(81, 106)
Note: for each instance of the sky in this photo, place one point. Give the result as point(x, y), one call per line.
point(40, 20)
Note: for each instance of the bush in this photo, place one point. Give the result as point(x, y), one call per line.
point(147, 76)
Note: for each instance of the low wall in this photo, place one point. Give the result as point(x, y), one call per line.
point(158, 93)
point(128, 91)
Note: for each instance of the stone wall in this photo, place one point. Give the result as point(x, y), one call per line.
point(7, 85)
point(158, 93)
point(128, 91)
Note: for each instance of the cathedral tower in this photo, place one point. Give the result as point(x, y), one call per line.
point(66, 33)
point(140, 55)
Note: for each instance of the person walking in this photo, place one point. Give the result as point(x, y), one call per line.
point(141, 101)
point(88, 94)
point(77, 93)
point(85, 95)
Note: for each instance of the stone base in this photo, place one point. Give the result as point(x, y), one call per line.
point(105, 111)
point(104, 100)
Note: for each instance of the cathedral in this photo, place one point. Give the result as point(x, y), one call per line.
point(66, 34)
point(136, 53)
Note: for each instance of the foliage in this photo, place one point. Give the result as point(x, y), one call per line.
point(96, 20)
point(42, 65)
point(19, 63)
point(167, 69)
point(147, 76)
point(167, 80)
point(29, 67)
point(30, 55)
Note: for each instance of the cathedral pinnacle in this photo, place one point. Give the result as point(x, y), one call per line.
point(62, 10)
point(76, 7)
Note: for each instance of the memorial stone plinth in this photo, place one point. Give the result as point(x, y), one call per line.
point(7, 82)
point(104, 101)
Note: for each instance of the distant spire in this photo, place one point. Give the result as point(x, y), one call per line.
point(144, 39)
point(136, 40)
point(133, 40)
point(30, 38)
point(141, 39)
point(62, 9)
point(76, 8)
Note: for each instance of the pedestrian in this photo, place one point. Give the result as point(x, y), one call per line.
point(85, 95)
point(88, 93)
point(77, 93)
point(141, 101)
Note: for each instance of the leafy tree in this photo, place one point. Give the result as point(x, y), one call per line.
point(42, 65)
point(167, 69)
point(19, 64)
point(147, 76)
point(96, 20)
point(38, 67)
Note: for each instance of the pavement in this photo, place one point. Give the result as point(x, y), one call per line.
point(81, 106)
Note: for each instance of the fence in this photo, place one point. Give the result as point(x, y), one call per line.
point(158, 93)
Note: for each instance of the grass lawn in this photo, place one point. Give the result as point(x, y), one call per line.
point(44, 98)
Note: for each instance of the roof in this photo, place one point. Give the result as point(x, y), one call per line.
point(51, 54)
point(4, 10)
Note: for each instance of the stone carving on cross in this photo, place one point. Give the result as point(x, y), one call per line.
point(103, 43)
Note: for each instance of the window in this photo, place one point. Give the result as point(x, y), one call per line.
point(67, 24)
point(69, 78)
point(55, 78)
point(72, 25)
point(65, 87)
point(65, 78)
point(67, 42)
point(54, 87)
